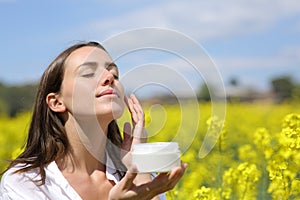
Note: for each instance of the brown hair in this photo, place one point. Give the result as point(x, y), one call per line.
point(47, 140)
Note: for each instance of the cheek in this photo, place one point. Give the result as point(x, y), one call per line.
point(67, 93)
point(78, 96)
point(121, 104)
point(120, 88)
point(84, 96)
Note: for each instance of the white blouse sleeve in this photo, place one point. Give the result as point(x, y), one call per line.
point(24, 186)
point(17, 186)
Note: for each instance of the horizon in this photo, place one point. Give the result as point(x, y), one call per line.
point(250, 41)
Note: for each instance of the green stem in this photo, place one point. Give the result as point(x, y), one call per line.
point(244, 193)
point(220, 168)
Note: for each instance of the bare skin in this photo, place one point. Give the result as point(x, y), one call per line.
point(85, 173)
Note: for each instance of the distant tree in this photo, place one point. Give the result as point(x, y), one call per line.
point(3, 108)
point(296, 92)
point(14, 99)
point(204, 94)
point(282, 87)
point(233, 81)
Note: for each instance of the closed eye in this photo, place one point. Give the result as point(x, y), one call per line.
point(116, 76)
point(112, 68)
point(87, 69)
point(88, 75)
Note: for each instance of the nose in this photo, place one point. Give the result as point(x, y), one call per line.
point(108, 78)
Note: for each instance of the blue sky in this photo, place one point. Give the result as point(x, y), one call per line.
point(252, 41)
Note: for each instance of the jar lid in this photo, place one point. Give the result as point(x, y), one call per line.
point(155, 147)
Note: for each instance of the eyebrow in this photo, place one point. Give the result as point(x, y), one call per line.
point(107, 65)
point(92, 64)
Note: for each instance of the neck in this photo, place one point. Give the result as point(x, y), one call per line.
point(87, 140)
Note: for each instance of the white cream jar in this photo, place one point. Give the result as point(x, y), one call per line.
point(156, 157)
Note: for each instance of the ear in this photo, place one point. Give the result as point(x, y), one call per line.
point(54, 103)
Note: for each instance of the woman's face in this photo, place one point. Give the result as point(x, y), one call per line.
point(90, 86)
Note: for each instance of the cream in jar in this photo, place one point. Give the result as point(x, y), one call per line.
point(156, 156)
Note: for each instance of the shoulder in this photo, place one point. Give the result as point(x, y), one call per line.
point(11, 176)
point(26, 185)
point(16, 185)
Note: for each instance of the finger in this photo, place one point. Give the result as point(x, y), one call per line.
point(175, 178)
point(129, 177)
point(127, 129)
point(167, 181)
point(133, 112)
point(178, 171)
point(126, 144)
point(160, 183)
point(137, 108)
point(128, 103)
point(136, 102)
point(140, 116)
point(134, 99)
point(162, 177)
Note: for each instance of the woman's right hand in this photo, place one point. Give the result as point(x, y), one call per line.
point(126, 189)
point(135, 133)
point(138, 131)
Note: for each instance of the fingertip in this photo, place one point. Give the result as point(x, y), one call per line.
point(131, 172)
point(134, 98)
point(133, 169)
point(130, 175)
point(183, 168)
point(185, 165)
point(127, 129)
point(179, 169)
point(126, 125)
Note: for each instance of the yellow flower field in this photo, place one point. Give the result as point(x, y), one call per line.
point(257, 155)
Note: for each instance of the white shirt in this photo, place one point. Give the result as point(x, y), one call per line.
point(20, 186)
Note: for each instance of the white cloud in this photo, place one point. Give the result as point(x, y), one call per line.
point(289, 56)
point(203, 20)
point(285, 61)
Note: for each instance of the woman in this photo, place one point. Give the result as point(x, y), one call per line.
point(74, 148)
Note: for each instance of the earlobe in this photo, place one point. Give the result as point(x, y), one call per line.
point(54, 103)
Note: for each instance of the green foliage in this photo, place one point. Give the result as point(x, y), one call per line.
point(284, 88)
point(15, 99)
point(204, 94)
point(13, 132)
point(296, 92)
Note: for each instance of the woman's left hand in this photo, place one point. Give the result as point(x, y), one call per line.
point(126, 189)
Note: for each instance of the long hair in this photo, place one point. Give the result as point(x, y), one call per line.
point(47, 140)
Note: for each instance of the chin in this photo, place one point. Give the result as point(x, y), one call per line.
point(117, 112)
point(114, 111)
point(117, 115)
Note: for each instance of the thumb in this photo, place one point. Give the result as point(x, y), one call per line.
point(129, 177)
point(126, 144)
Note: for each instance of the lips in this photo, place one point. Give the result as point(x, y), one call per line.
point(108, 92)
